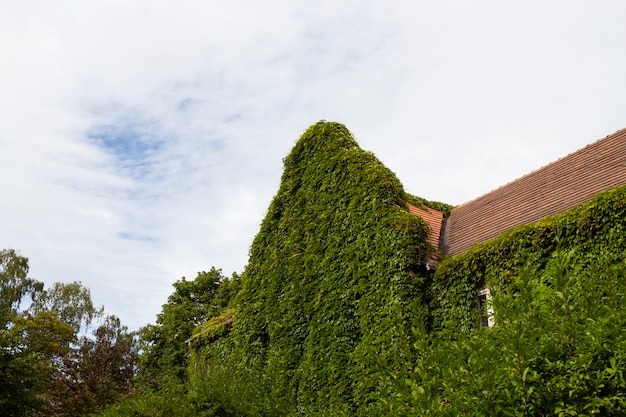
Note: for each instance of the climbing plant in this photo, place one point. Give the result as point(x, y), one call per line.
point(334, 285)
point(595, 231)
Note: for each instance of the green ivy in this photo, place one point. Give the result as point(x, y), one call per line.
point(427, 204)
point(558, 348)
point(593, 230)
point(334, 288)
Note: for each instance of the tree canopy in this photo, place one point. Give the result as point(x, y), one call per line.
point(45, 368)
point(165, 350)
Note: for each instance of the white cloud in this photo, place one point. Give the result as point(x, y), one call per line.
point(142, 141)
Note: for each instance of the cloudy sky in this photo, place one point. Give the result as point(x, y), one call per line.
point(142, 141)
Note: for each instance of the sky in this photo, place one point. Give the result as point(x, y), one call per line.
point(142, 141)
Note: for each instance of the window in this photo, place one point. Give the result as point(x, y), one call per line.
point(485, 308)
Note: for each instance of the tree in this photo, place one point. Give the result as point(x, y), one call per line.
point(44, 367)
point(98, 372)
point(71, 303)
point(165, 351)
point(14, 283)
point(30, 343)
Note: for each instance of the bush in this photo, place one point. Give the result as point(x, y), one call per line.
point(558, 348)
point(171, 401)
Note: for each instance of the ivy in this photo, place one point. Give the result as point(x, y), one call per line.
point(334, 285)
point(558, 348)
point(593, 230)
point(426, 204)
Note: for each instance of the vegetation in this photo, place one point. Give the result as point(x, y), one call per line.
point(337, 314)
point(594, 232)
point(557, 349)
point(332, 291)
point(165, 354)
point(45, 368)
point(163, 388)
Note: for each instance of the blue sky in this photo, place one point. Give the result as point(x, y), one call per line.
point(143, 141)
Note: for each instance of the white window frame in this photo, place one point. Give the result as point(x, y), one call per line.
point(485, 307)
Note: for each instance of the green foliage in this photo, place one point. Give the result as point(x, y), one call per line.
point(99, 371)
point(336, 314)
point(332, 291)
point(29, 342)
point(71, 303)
point(213, 329)
point(593, 230)
point(223, 387)
point(558, 349)
point(171, 401)
point(424, 204)
point(44, 368)
point(165, 351)
point(14, 283)
point(29, 346)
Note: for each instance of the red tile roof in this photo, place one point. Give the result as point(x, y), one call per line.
point(434, 218)
point(554, 188)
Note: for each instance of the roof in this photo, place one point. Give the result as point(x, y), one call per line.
point(556, 187)
point(434, 218)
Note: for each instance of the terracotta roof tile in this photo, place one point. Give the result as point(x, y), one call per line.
point(556, 187)
point(434, 218)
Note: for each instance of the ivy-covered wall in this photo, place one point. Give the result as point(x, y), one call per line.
point(337, 307)
point(594, 232)
point(333, 292)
